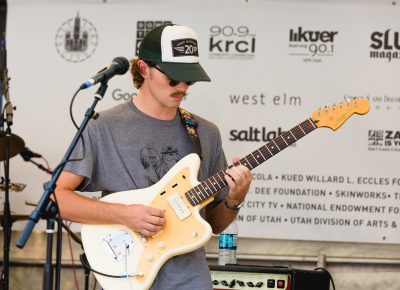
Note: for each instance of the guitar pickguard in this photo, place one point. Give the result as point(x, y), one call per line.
point(180, 231)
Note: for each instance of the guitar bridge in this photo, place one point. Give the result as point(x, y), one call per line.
point(119, 244)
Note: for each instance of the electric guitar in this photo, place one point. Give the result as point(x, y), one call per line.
point(132, 261)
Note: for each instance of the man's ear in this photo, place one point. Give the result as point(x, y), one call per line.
point(143, 68)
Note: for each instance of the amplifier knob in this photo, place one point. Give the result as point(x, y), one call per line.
point(232, 284)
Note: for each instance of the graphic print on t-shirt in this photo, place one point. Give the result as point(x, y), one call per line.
point(157, 164)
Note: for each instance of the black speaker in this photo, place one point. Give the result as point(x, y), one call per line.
point(244, 277)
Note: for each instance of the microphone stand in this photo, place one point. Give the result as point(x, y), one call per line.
point(8, 108)
point(45, 203)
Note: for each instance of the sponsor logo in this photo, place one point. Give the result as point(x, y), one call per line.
point(384, 140)
point(381, 102)
point(76, 39)
point(119, 95)
point(143, 27)
point(232, 42)
point(311, 45)
point(254, 134)
point(262, 99)
point(385, 45)
point(185, 47)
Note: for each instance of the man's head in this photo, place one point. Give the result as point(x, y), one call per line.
point(174, 50)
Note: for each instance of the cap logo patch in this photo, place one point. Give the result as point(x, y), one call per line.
point(184, 47)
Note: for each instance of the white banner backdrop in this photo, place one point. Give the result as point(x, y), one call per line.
point(271, 66)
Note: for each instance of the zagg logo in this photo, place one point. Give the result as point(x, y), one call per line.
point(383, 140)
point(385, 45)
point(231, 42)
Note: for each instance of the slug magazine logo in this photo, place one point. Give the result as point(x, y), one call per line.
point(385, 45)
point(76, 39)
point(311, 45)
point(232, 42)
point(143, 27)
point(383, 140)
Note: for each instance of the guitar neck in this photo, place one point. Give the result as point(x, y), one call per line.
point(212, 185)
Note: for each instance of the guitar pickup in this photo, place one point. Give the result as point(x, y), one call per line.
point(179, 207)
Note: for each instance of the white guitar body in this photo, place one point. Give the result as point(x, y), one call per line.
point(117, 250)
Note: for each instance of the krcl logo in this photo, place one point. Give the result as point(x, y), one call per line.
point(232, 39)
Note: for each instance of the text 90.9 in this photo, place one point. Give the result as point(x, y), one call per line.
point(229, 31)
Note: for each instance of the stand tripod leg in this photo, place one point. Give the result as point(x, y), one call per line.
point(58, 257)
point(48, 267)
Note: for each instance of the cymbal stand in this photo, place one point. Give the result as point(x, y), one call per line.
point(8, 109)
point(40, 166)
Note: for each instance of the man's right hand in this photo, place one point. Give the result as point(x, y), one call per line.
point(143, 219)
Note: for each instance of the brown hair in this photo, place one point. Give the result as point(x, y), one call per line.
point(136, 75)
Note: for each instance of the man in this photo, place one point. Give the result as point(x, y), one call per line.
point(132, 146)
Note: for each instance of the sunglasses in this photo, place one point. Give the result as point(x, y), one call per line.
point(172, 83)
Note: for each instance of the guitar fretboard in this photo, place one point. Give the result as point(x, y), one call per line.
point(213, 184)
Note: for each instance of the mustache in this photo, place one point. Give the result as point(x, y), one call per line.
point(179, 94)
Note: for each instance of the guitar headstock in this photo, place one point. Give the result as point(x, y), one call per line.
point(334, 116)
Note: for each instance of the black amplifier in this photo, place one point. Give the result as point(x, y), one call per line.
point(242, 277)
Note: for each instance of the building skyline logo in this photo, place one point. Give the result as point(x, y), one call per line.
point(76, 39)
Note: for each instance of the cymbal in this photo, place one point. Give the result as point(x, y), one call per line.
point(16, 145)
point(17, 187)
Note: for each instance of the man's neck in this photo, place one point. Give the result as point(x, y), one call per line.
point(154, 109)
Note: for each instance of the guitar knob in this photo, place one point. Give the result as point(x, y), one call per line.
point(161, 245)
point(149, 258)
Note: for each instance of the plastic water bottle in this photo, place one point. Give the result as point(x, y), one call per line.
point(228, 245)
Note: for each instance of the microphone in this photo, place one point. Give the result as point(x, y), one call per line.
point(119, 66)
point(27, 154)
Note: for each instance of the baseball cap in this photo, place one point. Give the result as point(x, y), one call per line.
point(174, 49)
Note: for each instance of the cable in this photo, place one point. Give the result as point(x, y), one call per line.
point(72, 257)
point(126, 265)
point(86, 264)
point(70, 108)
point(329, 275)
point(47, 164)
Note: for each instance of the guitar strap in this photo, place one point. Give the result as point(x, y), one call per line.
point(191, 128)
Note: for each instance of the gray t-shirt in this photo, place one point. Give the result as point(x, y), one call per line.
point(125, 149)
